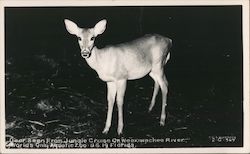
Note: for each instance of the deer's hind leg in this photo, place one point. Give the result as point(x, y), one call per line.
point(164, 89)
point(160, 77)
point(156, 90)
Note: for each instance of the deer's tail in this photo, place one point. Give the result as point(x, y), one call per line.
point(169, 49)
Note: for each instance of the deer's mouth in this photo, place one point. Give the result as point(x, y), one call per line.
point(85, 54)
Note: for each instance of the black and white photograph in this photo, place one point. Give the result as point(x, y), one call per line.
point(110, 77)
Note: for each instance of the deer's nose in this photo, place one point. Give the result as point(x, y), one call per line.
point(85, 53)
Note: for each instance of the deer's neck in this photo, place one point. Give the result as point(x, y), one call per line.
point(92, 60)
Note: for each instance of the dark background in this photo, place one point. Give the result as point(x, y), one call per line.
point(46, 78)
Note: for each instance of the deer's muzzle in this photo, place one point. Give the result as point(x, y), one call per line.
point(85, 54)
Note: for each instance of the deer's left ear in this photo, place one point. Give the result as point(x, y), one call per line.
point(100, 27)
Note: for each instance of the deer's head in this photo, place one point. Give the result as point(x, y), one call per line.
point(86, 36)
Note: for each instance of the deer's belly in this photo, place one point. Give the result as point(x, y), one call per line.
point(120, 71)
point(112, 76)
point(124, 74)
point(137, 73)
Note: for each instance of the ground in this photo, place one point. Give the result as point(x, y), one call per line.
point(51, 98)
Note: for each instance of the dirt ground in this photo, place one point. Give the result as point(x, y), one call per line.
point(51, 98)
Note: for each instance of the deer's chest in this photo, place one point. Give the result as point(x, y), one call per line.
point(111, 72)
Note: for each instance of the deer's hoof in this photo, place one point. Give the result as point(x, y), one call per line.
point(119, 131)
point(162, 123)
point(105, 131)
point(149, 110)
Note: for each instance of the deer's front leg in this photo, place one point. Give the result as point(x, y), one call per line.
point(111, 88)
point(121, 88)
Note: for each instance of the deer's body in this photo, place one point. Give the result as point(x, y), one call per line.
point(127, 61)
point(131, 60)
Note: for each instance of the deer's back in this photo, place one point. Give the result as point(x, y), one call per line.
point(135, 59)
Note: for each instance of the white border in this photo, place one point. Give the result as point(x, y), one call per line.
point(41, 3)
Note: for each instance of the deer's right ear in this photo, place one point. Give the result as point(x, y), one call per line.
point(71, 27)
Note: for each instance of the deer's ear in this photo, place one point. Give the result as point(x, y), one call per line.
point(71, 27)
point(100, 27)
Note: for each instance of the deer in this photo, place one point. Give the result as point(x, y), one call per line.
point(116, 64)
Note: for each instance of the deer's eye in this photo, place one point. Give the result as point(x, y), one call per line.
point(92, 38)
point(79, 38)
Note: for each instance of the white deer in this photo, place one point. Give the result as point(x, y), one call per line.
point(127, 61)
